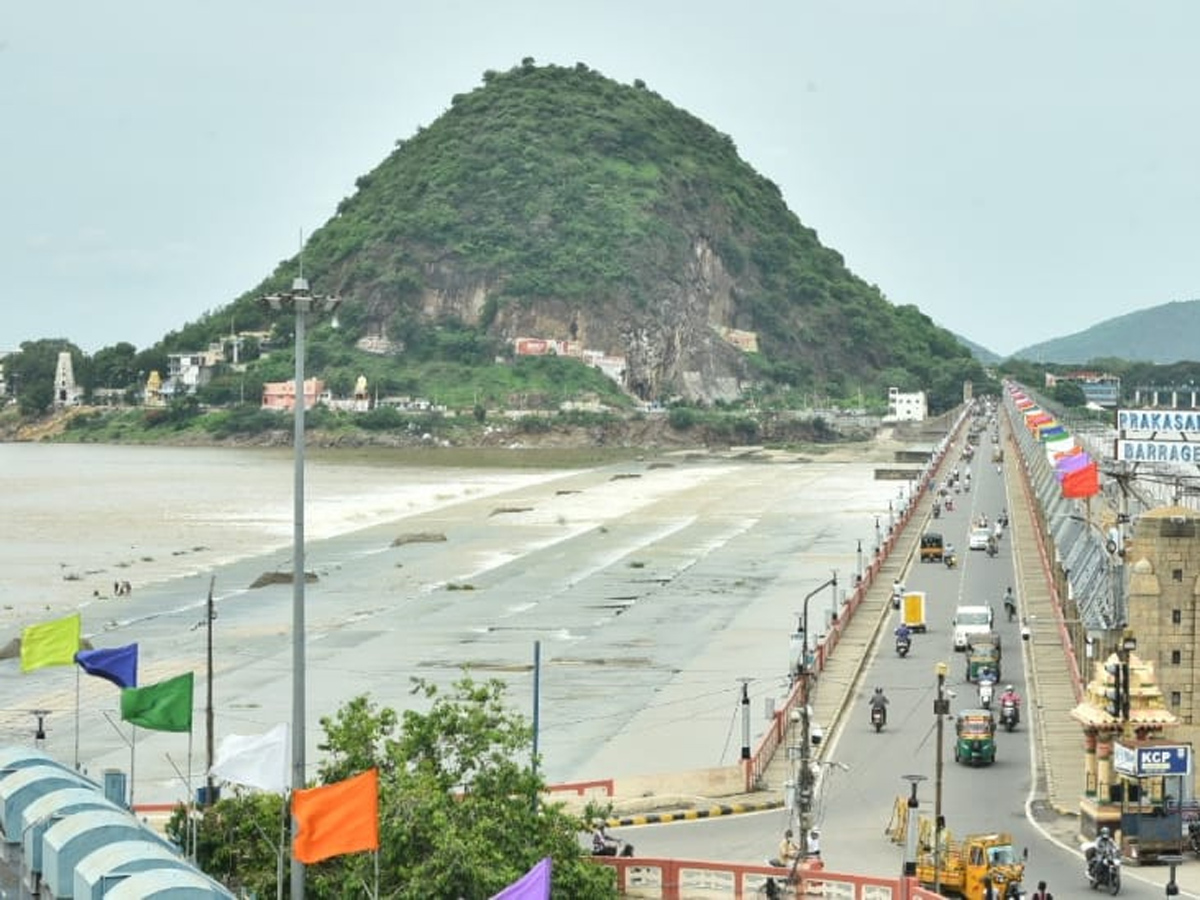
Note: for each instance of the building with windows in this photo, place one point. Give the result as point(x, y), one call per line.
point(281, 395)
point(1099, 388)
point(187, 372)
point(904, 407)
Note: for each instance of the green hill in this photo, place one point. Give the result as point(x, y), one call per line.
point(1162, 334)
point(553, 202)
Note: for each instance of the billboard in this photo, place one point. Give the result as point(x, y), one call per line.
point(1154, 760)
point(1158, 435)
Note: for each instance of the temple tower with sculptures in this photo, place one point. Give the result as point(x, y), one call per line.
point(1139, 716)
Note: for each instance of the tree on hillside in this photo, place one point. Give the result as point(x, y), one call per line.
point(457, 811)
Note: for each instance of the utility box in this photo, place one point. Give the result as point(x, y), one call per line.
point(116, 784)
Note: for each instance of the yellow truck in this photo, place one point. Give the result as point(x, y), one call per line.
point(962, 868)
point(912, 610)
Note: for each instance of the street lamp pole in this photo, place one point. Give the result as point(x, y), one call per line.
point(910, 831)
point(302, 302)
point(941, 709)
point(804, 780)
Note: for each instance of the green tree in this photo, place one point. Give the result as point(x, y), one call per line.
point(1069, 393)
point(457, 806)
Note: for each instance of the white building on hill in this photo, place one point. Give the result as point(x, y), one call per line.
point(906, 407)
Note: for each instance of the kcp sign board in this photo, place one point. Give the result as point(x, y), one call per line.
point(1147, 762)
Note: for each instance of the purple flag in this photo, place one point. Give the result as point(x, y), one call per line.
point(118, 665)
point(1071, 464)
point(533, 885)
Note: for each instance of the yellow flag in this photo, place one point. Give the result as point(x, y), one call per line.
point(51, 643)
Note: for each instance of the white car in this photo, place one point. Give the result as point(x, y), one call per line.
point(969, 620)
point(979, 538)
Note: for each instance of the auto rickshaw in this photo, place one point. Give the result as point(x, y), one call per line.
point(932, 547)
point(983, 659)
point(975, 742)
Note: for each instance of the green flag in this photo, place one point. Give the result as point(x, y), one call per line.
point(166, 706)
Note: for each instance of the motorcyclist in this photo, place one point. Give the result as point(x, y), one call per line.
point(602, 843)
point(1010, 604)
point(948, 556)
point(788, 849)
point(987, 684)
point(1010, 696)
point(1104, 847)
point(879, 702)
point(903, 632)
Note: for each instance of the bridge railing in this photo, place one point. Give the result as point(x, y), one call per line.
point(690, 879)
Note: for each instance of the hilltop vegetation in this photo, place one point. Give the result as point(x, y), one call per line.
point(554, 202)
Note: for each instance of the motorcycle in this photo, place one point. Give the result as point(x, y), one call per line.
point(937, 511)
point(950, 559)
point(903, 645)
point(1104, 870)
point(619, 848)
point(896, 595)
point(878, 717)
point(1010, 715)
point(1194, 836)
point(986, 689)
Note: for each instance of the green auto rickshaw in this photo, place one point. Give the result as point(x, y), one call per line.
point(983, 661)
point(975, 737)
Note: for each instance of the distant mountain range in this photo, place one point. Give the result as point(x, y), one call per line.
point(1161, 335)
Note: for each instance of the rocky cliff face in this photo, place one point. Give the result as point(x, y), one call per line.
point(671, 343)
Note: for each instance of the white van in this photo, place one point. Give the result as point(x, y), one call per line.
point(969, 620)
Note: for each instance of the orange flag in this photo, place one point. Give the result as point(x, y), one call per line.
point(336, 819)
point(1083, 482)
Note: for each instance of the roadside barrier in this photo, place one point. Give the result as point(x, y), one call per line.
point(677, 879)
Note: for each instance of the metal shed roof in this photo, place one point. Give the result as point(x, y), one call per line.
point(16, 757)
point(107, 866)
point(69, 840)
point(24, 786)
point(168, 884)
point(46, 811)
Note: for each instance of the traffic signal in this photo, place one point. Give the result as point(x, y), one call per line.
point(1114, 692)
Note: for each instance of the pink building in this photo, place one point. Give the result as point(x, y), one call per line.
point(282, 394)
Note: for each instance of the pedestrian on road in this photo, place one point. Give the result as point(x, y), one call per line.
point(1041, 893)
point(814, 842)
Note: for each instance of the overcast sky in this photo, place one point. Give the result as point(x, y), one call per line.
point(1019, 170)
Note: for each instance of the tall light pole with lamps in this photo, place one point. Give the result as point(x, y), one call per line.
point(304, 303)
point(804, 778)
point(941, 709)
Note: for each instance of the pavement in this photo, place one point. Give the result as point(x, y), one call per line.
point(1059, 784)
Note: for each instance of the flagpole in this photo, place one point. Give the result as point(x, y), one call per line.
point(76, 717)
point(283, 847)
point(190, 807)
point(132, 761)
point(210, 786)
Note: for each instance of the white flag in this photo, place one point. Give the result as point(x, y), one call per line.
point(256, 760)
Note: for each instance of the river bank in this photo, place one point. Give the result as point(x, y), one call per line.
point(653, 585)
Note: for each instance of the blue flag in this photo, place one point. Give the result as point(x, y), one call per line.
point(118, 665)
